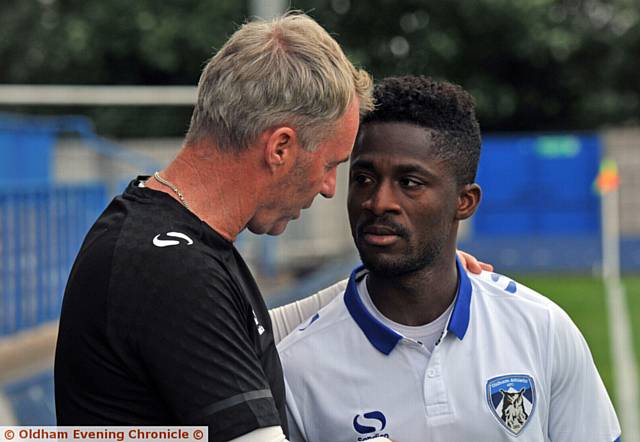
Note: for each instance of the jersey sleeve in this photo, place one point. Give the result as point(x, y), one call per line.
point(196, 345)
point(580, 408)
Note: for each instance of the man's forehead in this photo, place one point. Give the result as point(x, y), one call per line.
point(392, 162)
point(393, 135)
point(392, 145)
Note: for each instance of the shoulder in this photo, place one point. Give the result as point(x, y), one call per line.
point(165, 256)
point(504, 292)
point(502, 297)
point(169, 242)
point(313, 333)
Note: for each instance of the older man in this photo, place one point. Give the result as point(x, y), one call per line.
point(162, 321)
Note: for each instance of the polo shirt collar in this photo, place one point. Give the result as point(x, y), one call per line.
point(385, 339)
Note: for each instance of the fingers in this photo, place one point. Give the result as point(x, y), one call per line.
point(471, 264)
point(485, 266)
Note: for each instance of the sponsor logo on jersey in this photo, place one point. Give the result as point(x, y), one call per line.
point(370, 425)
point(171, 242)
point(512, 399)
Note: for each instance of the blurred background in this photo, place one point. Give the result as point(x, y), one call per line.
point(558, 99)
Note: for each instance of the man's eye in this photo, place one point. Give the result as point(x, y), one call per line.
point(361, 179)
point(410, 183)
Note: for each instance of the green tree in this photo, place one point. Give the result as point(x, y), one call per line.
point(531, 64)
point(114, 42)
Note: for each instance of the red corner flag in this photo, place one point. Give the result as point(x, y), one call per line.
point(608, 178)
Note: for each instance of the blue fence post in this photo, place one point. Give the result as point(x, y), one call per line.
point(17, 226)
point(50, 275)
point(40, 247)
point(60, 242)
point(28, 303)
point(4, 287)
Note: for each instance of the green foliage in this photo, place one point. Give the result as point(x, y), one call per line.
point(532, 64)
point(112, 42)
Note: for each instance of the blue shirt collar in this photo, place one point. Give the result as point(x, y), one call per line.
point(385, 339)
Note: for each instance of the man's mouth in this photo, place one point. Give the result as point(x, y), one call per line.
point(377, 235)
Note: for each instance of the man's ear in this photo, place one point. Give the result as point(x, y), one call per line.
point(280, 148)
point(468, 200)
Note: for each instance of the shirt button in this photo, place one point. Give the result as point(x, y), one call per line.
point(431, 373)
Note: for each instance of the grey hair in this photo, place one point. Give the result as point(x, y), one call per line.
point(287, 70)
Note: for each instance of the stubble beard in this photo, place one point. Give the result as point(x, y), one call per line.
point(411, 261)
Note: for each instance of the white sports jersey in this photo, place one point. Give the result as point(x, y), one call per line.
point(510, 365)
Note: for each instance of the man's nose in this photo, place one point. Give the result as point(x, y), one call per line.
point(329, 185)
point(381, 200)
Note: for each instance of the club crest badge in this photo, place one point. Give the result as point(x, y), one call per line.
point(512, 399)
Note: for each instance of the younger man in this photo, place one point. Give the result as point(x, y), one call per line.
point(414, 348)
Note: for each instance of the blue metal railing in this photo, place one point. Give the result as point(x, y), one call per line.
point(41, 230)
point(42, 224)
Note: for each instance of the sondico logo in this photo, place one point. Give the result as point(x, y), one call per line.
point(258, 326)
point(171, 242)
point(370, 425)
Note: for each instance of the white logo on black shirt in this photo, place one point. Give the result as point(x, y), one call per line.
point(171, 242)
point(260, 327)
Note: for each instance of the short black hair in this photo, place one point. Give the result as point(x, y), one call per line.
point(443, 108)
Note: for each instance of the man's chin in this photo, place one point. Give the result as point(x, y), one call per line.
point(274, 229)
point(389, 266)
point(278, 228)
point(382, 266)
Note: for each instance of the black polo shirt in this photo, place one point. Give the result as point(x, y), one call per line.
point(162, 323)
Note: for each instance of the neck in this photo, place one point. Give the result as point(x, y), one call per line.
point(213, 186)
point(419, 297)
